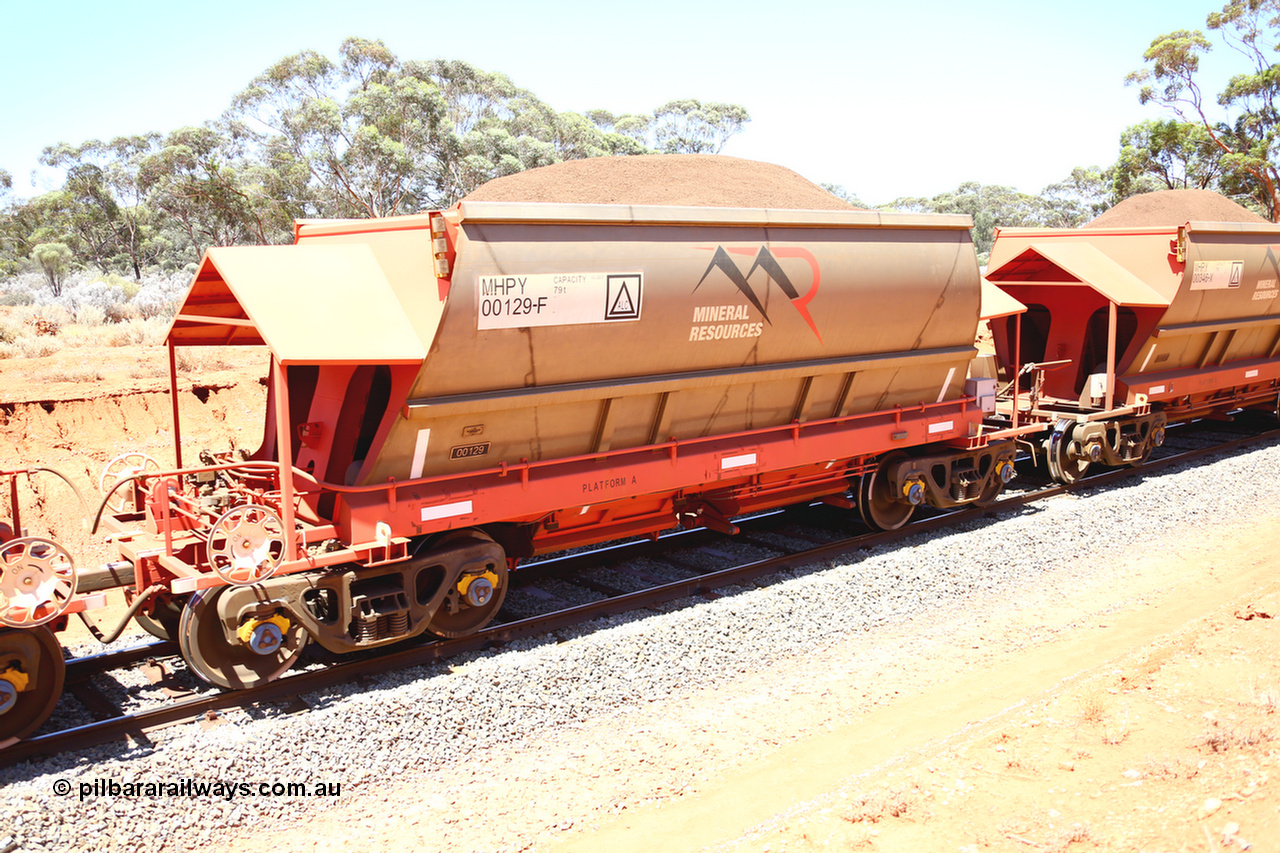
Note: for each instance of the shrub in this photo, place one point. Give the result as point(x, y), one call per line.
point(49, 319)
point(38, 347)
point(10, 331)
point(90, 315)
point(159, 296)
point(96, 294)
point(148, 332)
point(122, 311)
point(17, 297)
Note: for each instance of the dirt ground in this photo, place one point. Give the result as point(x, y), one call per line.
point(1138, 715)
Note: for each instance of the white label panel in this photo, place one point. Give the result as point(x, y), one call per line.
point(557, 299)
point(1250, 374)
point(1156, 389)
point(1216, 275)
point(946, 383)
point(737, 461)
point(420, 453)
point(433, 513)
point(941, 426)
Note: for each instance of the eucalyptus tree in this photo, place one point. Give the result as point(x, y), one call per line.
point(1076, 199)
point(624, 134)
point(214, 196)
point(989, 205)
point(1166, 154)
point(690, 126)
point(55, 260)
point(839, 191)
point(364, 131)
point(8, 255)
point(1243, 126)
point(493, 128)
point(109, 211)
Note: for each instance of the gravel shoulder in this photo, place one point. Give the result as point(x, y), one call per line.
point(1040, 680)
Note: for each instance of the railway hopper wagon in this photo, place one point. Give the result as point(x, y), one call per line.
point(452, 392)
point(37, 594)
point(1127, 329)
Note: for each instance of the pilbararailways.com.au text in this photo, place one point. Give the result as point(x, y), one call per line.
point(198, 788)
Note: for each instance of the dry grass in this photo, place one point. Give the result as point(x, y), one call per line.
point(199, 361)
point(1075, 834)
point(1114, 735)
point(1169, 769)
point(36, 347)
point(876, 806)
point(1220, 738)
point(1264, 696)
point(1093, 709)
point(37, 332)
point(73, 374)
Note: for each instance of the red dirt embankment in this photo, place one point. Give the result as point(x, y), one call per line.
point(77, 427)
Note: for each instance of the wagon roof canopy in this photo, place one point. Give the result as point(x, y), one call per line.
point(311, 304)
point(1073, 265)
point(996, 303)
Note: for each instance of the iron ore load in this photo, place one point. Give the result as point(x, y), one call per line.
point(1164, 309)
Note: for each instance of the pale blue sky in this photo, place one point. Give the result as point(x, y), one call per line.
point(888, 99)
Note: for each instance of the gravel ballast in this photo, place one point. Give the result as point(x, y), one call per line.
point(432, 719)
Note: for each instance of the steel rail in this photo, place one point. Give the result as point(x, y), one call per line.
point(294, 686)
point(83, 668)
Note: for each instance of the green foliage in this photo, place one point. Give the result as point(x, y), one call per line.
point(17, 297)
point(843, 194)
point(55, 261)
point(364, 135)
point(8, 260)
point(1069, 203)
point(106, 205)
point(128, 286)
point(1079, 198)
point(1233, 150)
point(1168, 154)
point(691, 127)
point(988, 205)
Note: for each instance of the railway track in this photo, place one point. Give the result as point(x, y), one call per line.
point(762, 533)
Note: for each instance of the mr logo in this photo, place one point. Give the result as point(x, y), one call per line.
point(1271, 256)
point(767, 260)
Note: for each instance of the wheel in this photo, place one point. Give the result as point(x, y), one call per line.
point(124, 465)
point(226, 664)
point(164, 621)
point(246, 545)
point(876, 499)
point(24, 711)
point(37, 581)
point(1063, 467)
point(475, 599)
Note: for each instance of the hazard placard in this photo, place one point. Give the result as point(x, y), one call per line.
point(557, 299)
